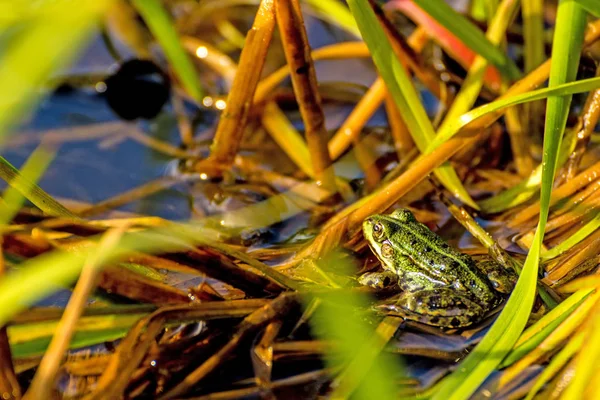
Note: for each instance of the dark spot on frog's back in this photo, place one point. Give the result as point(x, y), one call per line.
point(454, 322)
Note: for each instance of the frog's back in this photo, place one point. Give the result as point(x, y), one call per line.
point(440, 261)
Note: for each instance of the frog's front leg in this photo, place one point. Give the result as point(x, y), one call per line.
point(378, 280)
point(387, 277)
point(438, 307)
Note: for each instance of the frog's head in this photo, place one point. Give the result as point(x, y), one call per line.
point(379, 229)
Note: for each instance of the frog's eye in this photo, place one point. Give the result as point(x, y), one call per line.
point(378, 230)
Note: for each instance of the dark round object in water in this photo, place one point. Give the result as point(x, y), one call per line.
point(139, 89)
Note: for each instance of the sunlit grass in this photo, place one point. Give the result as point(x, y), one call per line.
point(364, 371)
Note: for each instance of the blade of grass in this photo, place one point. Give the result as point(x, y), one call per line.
point(369, 374)
point(572, 240)
point(232, 122)
point(402, 90)
point(45, 45)
point(41, 386)
point(470, 35)
point(304, 82)
point(583, 378)
point(30, 191)
point(32, 170)
point(32, 339)
point(533, 25)
point(473, 83)
point(584, 85)
point(592, 6)
point(163, 29)
point(505, 331)
point(537, 332)
point(335, 12)
point(557, 362)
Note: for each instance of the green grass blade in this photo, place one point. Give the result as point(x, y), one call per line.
point(556, 364)
point(39, 48)
point(479, 10)
point(503, 334)
point(498, 341)
point(470, 35)
point(30, 191)
point(32, 339)
point(163, 29)
point(473, 83)
point(403, 92)
point(592, 6)
point(336, 13)
point(32, 170)
point(581, 234)
point(368, 373)
point(527, 188)
point(564, 89)
point(533, 26)
point(537, 332)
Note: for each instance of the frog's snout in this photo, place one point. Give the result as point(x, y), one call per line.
point(367, 223)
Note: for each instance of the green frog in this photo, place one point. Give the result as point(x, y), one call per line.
point(440, 285)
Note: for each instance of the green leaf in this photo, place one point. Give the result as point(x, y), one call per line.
point(40, 46)
point(163, 29)
point(498, 341)
point(503, 334)
point(368, 373)
point(556, 364)
point(537, 332)
point(470, 35)
point(592, 6)
point(29, 190)
point(473, 83)
point(577, 237)
point(32, 339)
point(335, 12)
point(403, 92)
point(459, 123)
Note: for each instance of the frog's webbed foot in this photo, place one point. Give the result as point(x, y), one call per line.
point(441, 307)
point(378, 280)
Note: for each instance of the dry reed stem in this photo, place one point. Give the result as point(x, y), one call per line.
point(134, 346)
point(408, 57)
point(567, 189)
point(304, 81)
point(331, 52)
point(577, 213)
point(358, 118)
point(137, 193)
point(42, 386)
point(389, 194)
point(9, 384)
point(556, 338)
point(519, 143)
point(216, 60)
point(262, 358)
point(156, 144)
point(259, 318)
point(239, 101)
point(587, 123)
point(585, 250)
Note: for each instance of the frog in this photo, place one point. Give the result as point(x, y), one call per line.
point(440, 286)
